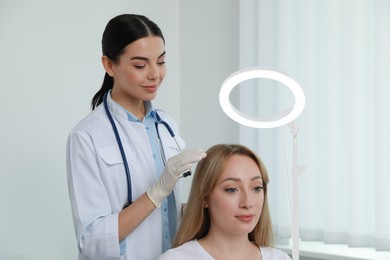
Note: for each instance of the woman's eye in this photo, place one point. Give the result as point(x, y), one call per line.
point(258, 188)
point(231, 190)
point(161, 63)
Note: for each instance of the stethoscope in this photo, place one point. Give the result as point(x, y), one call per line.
point(158, 121)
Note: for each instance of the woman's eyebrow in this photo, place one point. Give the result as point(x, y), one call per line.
point(238, 179)
point(144, 58)
point(231, 179)
point(257, 177)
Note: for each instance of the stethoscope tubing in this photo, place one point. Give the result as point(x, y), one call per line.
point(122, 151)
point(158, 120)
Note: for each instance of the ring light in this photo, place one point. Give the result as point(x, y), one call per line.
point(280, 120)
point(255, 72)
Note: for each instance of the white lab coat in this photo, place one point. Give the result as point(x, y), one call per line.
point(98, 187)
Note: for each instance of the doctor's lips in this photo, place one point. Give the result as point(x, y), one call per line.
point(151, 88)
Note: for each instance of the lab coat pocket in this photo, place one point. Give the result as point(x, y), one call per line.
point(110, 155)
point(112, 170)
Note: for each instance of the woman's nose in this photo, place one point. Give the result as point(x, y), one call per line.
point(246, 200)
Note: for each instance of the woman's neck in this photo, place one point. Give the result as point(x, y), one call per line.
point(222, 246)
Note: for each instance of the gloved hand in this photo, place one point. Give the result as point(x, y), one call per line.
point(174, 167)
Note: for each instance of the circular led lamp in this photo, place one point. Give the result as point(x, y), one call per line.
point(250, 73)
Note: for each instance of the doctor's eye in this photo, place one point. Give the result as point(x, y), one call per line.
point(139, 66)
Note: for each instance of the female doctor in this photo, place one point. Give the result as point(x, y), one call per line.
point(125, 157)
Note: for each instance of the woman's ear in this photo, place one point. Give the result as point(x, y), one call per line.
point(206, 203)
point(108, 65)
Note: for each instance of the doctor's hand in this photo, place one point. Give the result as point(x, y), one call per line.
point(174, 167)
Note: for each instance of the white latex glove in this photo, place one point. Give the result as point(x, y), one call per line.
point(174, 167)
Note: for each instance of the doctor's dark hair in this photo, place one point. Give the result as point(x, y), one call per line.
point(195, 222)
point(120, 31)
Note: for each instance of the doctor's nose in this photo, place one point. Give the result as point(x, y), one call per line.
point(246, 201)
point(154, 73)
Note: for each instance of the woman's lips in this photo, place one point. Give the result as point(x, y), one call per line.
point(246, 217)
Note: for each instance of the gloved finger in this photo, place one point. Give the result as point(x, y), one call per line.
point(188, 157)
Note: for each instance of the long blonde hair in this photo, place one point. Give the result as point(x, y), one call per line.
point(196, 220)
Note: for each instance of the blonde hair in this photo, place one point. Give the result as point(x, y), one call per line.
point(196, 221)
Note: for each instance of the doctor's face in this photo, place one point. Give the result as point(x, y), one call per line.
point(236, 201)
point(140, 71)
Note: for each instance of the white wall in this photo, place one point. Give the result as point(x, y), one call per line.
point(209, 54)
point(50, 69)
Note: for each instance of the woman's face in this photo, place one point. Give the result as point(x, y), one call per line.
point(236, 201)
point(140, 71)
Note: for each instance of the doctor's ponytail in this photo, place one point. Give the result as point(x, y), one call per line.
point(120, 32)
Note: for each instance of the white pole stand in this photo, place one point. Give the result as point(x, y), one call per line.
point(296, 172)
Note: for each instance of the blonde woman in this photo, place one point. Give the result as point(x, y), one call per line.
point(227, 214)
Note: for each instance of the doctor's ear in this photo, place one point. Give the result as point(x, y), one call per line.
point(108, 65)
